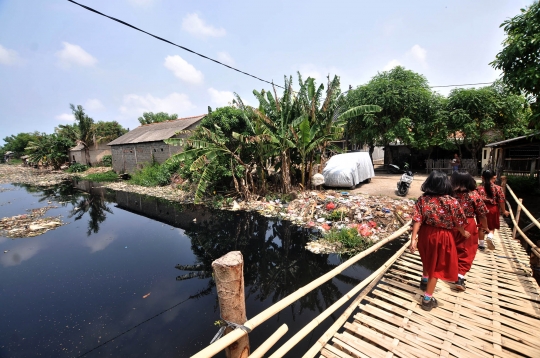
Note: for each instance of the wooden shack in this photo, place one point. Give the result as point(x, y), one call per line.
point(516, 156)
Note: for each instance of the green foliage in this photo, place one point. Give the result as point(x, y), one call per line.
point(49, 150)
point(487, 114)
point(407, 105)
point(102, 177)
point(520, 58)
point(349, 238)
point(523, 184)
point(106, 160)
point(156, 174)
point(77, 168)
point(108, 131)
point(17, 143)
point(150, 117)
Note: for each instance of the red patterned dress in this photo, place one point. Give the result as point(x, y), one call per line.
point(473, 206)
point(439, 215)
point(492, 205)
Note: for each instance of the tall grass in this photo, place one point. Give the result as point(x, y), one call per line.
point(155, 174)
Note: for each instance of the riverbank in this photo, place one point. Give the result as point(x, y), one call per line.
point(366, 209)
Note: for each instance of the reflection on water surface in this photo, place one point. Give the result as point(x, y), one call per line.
point(73, 289)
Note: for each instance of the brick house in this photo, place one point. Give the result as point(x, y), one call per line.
point(96, 151)
point(145, 144)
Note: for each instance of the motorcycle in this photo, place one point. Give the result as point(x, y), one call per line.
point(405, 181)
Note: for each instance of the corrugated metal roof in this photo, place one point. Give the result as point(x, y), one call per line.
point(496, 144)
point(156, 131)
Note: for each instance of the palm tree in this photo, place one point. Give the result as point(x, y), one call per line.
point(85, 130)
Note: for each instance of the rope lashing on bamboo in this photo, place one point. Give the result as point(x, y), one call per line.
point(224, 324)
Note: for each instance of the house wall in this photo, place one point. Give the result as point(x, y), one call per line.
point(129, 157)
point(96, 154)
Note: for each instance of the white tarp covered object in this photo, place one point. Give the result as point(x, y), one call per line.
point(348, 169)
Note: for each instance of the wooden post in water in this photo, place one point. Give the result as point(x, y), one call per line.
point(229, 278)
point(518, 212)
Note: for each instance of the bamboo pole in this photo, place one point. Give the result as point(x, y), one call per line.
point(229, 278)
point(518, 213)
point(316, 348)
point(527, 228)
point(531, 217)
point(535, 249)
point(269, 343)
point(225, 341)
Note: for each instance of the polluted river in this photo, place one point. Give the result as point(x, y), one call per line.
point(121, 274)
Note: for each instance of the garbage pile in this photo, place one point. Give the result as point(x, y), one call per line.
point(32, 176)
point(29, 225)
point(375, 217)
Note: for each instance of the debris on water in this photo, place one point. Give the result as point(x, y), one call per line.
point(148, 294)
point(29, 225)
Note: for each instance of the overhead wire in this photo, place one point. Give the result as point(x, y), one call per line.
point(216, 61)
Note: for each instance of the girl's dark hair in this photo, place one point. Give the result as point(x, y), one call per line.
point(487, 175)
point(462, 182)
point(437, 183)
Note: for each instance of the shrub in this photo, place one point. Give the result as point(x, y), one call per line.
point(156, 174)
point(523, 184)
point(349, 238)
point(107, 160)
point(77, 168)
point(100, 177)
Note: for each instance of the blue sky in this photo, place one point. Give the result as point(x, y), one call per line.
point(53, 53)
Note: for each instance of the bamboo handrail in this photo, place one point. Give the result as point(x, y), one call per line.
point(535, 249)
point(531, 217)
point(233, 336)
point(287, 346)
point(263, 348)
point(321, 342)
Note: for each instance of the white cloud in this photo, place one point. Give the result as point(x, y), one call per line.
point(193, 24)
point(220, 98)
point(390, 65)
point(9, 57)
point(74, 55)
point(66, 117)
point(99, 242)
point(183, 70)
point(94, 105)
point(225, 58)
point(134, 105)
point(418, 53)
point(20, 253)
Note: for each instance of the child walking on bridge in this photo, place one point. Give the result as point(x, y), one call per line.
point(473, 206)
point(436, 215)
point(493, 197)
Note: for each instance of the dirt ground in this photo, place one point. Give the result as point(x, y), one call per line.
point(386, 184)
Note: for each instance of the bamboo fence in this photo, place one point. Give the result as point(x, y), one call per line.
point(534, 248)
point(252, 323)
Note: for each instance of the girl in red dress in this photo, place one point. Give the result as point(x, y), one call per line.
point(436, 215)
point(472, 204)
point(493, 197)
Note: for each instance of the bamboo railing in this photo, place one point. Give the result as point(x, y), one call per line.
point(535, 249)
point(252, 323)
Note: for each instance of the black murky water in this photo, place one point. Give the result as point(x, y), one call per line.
point(78, 290)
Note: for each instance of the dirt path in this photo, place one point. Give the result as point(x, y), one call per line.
point(386, 184)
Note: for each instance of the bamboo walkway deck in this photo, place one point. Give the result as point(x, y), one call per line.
point(497, 316)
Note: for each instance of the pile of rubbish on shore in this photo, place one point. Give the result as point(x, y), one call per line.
point(375, 217)
point(27, 175)
point(29, 225)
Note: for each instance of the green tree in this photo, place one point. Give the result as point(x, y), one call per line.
point(81, 132)
point(485, 114)
point(149, 117)
point(520, 58)
point(49, 150)
point(105, 132)
point(406, 102)
point(17, 143)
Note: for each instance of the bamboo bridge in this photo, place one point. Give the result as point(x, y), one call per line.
point(497, 316)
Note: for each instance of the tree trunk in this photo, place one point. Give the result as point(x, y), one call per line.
point(371, 150)
point(229, 278)
point(285, 173)
point(387, 154)
point(87, 155)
